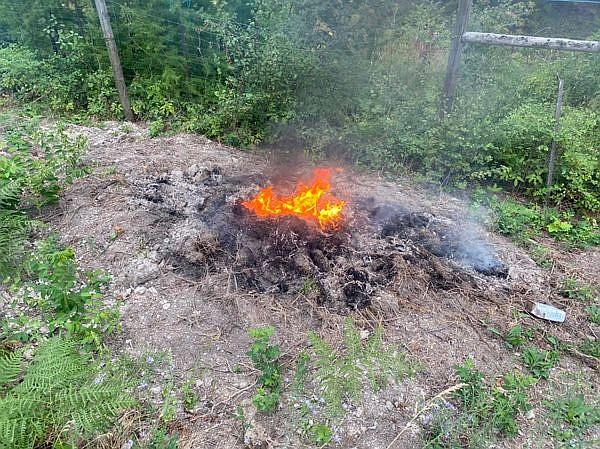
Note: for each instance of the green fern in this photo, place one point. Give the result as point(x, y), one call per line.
point(10, 369)
point(59, 398)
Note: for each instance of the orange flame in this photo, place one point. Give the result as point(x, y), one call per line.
point(309, 202)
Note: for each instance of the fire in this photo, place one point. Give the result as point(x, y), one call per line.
point(311, 202)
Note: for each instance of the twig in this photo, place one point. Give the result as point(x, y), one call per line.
point(428, 406)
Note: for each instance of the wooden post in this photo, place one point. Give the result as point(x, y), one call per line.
point(111, 46)
point(550, 43)
point(552, 153)
point(447, 101)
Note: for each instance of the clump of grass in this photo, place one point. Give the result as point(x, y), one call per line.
point(591, 348)
point(478, 412)
point(574, 289)
point(593, 313)
point(571, 417)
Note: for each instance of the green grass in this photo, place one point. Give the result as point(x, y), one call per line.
point(570, 417)
point(479, 413)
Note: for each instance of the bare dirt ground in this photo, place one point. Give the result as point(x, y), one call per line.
point(200, 316)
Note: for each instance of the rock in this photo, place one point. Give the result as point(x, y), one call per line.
point(255, 435)
point(530, 415)
point(140, 290)
point(389, 406)
point(140, 271)
point(177, 175)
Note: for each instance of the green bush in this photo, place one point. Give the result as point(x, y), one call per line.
point(522, 143)
point(34, 165)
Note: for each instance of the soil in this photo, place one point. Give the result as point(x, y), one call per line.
point(194, 271)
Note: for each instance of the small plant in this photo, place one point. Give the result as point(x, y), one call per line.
point(482, 412)
point(539, 362)
point(321, 434)
point(342, 376)
point(264, 356)
point(168, 409)
point(190, 399)
point(572, 416)
point(540, 255)
point(57, 297)
point(160, 439)
point(516, 336)
point(591, 347)
point(301, 372)
point(572, 288)
point(593, 312)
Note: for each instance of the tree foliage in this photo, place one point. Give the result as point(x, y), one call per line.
point(358, 80)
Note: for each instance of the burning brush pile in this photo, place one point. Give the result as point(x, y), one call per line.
point(328, 242)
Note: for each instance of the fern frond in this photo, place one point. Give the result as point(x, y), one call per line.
point(92, 407)
point(19, 433)
point(10, 194)
point(59, 394)
point(10, 368)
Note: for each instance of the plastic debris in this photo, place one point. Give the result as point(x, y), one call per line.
point(548, 312)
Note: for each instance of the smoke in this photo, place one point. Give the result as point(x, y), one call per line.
point(458, 240)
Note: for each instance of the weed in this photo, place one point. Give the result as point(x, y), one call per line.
point(160, 439)
point(571, 416)
point(540, 255)
point(321, 434)
point(516, 336)
point(241, 418)
point(574, 289)
point(168, 409)
point(483, 412)
point(58, 297)
point(264, 356)
point(301, 373)
point(341, 377)
point(591, 347)
point(593, 312)
point(539, 362)
point(190, 399)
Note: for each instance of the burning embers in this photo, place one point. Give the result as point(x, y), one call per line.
point(312, 202)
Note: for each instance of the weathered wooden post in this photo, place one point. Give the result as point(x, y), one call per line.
point(113, 55)
point(454, 57)
point(552, 152)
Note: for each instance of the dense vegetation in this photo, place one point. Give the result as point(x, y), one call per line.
point(354, 80)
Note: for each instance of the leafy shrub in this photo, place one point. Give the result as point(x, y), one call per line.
point(59, 398)
point(33, 169)
point(522, 149)
point(22, 72)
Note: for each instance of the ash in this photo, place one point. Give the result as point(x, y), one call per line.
point(379, 247)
